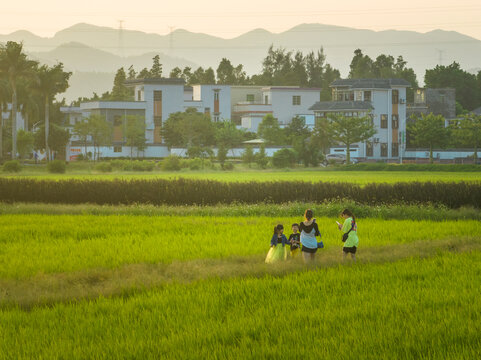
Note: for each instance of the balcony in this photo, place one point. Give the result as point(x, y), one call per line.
point(248, 107)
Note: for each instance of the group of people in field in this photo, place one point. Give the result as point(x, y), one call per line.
point(303, 239)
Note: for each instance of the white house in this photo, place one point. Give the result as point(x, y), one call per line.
point(384, 100)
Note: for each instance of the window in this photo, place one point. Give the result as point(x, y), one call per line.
point(266, 99)
point(358, 95)
point(369, 149)
point(367, 96)
point(250, 97)
point(216, 96)
point(296, 100)
point(395, 150)
point(395, 96)
point(117, 149)
point(395, 121)
point(216, 118)
point(139, 95)
point(117, 120)
point(158, 120)
point(384, 121)
point(383, 150)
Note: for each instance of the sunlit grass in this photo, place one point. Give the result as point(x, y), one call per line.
point(308, 175)
point(33, 244)
point(411, 309)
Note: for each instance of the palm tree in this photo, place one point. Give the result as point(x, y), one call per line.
point(51, 81)
point(4, 96)
point(28, 102)
point(14, 64)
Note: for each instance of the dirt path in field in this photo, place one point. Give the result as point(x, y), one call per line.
point(48, 289)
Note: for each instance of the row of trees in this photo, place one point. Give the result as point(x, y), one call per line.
point(30, 88)
point(431, 131)
point(198, 134)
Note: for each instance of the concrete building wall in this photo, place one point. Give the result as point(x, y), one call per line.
point(172, 102)
point(207, 93)
point(282, 102)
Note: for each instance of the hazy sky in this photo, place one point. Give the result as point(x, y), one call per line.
point(229, 19)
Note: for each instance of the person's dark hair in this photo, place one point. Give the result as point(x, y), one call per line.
point(295, 224)
point(277, 228)
point(308, 214)
point(348, 213)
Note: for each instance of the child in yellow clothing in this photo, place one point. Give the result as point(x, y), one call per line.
point(295, 241)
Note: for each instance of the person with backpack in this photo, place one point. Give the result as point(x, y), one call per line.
point(349, 234)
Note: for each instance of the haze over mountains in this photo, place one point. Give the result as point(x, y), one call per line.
point(94, 53)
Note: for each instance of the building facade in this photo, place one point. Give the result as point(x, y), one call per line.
point(382, 99)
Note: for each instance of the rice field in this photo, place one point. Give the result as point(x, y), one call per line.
point(308, 175)
point(410, 309)
point(42, 244)
point(107, 282)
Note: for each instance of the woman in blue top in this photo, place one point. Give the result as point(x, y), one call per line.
point(309, 230)
point(278, 250)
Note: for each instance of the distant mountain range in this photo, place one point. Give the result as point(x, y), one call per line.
point(88, 49)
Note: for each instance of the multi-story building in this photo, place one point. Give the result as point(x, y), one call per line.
point(437, 101)
point(382, 99)
point(157, 99)
point(283, 102)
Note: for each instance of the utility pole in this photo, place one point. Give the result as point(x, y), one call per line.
point(121, 38)
point(441, 52)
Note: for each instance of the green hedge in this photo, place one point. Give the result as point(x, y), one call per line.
point(409, 167)
point(205, 192)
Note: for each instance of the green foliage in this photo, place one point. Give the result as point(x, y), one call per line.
point(135, 133)
point(284, 158)
point(12, 166)
point(57, 167)
point(261, 157)
point(429, 131)
point(350, 130)
point(25, 141)
point(222, 155)
point(467, 131)
point(270, 131)
point(230, 75)
point(468, 90)
point(104, 167)
point(200, 152)
point(384, 67)
point(143, 165)
point(156, 70)
point(205, 192)
point(409, 167)
point(188, 129)
point(248, 156)
point(171, 163)
point(228, 166)
point(120, 92)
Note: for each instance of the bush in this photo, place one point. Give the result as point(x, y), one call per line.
point(228, 166)
point(12, 166)
point(195, 164)
point(207, 192)
point(104, 167)
point(171, 163)
point(284, 158)
point(143, 165)
point(57, 167)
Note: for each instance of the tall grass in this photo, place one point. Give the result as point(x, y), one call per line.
point(293, 209)
point(36, 244)
point(406, 310)
point(206, 192)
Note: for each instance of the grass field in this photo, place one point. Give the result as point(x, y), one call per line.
point(42, 244)
point(107, 282)
point(310, 175)
point(411, 309)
